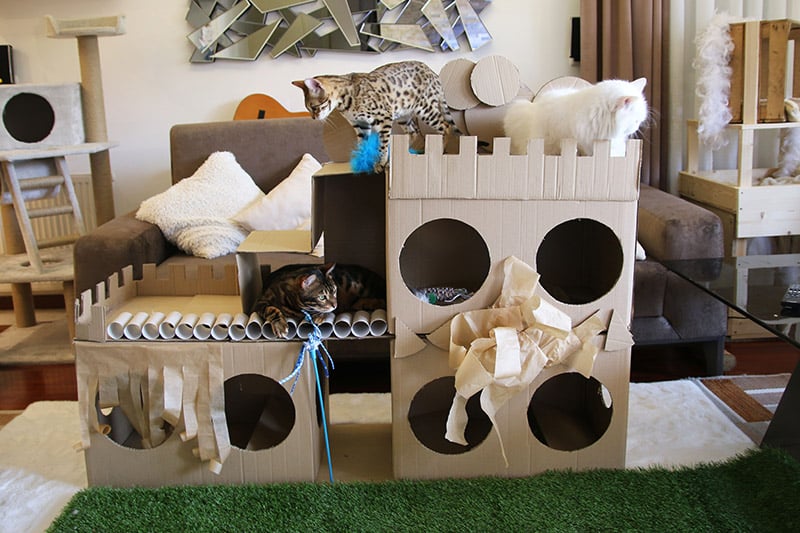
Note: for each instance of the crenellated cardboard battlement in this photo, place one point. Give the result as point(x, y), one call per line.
point(501, 176)
point(92, 312)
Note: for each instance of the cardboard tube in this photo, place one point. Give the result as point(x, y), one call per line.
point(378, 323)
point(219, 331)
point(186, 326)
point(150, 327)
point(292, 328)
point(116, 329)
point(238, 328)
point(253, 329)
point(360, 325)
point(133, 329)
point(342, 324)
point(326, 325)
point(304, 329)
point(167, 327)
point(266, 331)
point(202, 330)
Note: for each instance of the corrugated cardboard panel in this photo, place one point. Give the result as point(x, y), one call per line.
point(296, 458)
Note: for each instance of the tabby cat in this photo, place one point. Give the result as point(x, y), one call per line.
point(407, 91)
point(317, 289)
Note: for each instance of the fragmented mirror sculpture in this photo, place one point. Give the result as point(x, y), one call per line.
point(227, 29)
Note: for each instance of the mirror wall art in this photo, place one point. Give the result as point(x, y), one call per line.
point(248, 29)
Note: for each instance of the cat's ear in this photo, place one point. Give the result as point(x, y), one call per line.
point(639, 84)
point(307, 280)
point(309, 86)
point(328, 268)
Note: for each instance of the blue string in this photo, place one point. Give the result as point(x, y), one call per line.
point(311, 347)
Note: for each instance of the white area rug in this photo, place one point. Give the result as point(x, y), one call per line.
point(670, 424)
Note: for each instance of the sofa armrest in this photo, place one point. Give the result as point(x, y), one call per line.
point(114, 245)
point(671, 228)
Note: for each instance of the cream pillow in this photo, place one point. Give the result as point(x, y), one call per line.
point(195, 213)
point(286, 206)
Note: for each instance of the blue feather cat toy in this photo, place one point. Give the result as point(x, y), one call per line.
point(366, 155)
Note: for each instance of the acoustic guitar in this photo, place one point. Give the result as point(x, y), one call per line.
point(259, 106)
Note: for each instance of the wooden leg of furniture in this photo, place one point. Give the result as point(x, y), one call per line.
point(69, 305)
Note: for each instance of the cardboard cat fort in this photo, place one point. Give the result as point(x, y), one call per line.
point(162, 409)
point(173, 327)
point(550, 240)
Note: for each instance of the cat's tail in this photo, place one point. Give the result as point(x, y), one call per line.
point(450, 123)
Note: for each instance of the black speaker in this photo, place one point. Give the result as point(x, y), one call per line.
point(6, 65)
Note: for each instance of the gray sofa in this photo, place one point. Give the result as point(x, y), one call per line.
point(268, 150)
point(666, 309)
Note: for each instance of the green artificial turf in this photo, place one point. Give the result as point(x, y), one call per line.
point(759, 491)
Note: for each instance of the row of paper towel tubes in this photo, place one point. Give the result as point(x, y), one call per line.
point(239, 326)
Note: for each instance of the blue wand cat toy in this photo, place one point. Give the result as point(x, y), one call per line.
point(366, 155)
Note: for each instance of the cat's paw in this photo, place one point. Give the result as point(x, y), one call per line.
point(280, 328)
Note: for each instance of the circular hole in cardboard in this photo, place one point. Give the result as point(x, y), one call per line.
point(569, 412)
point(444, 261)
point(428, 412)
point(579, 261)
point(28, 117)
point(123, 432)
point(259, 411)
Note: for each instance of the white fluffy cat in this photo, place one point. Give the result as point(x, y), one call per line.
point(609, 110)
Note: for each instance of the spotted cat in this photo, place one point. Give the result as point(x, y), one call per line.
point(407, 91)
point(317, 289)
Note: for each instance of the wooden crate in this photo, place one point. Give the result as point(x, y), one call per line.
point(759, 69)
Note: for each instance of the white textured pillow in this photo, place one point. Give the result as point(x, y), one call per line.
point(195, 213)
point(286, 206)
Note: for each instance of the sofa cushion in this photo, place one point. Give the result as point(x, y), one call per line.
point(287, 206)
point(196, 213)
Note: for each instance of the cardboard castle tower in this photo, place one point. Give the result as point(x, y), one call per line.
point(453, 220)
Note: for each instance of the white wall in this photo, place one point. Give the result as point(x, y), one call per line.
point(150, 85)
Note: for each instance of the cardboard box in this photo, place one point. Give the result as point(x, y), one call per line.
point(272, 249)
point(453, 220)
point(422, 392)
point(269, 433)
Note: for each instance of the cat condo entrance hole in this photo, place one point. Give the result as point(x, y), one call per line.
point(260, 413)
point(444, 261)
point(28, 117)
point(123, 432)
point(428, 412)
point(569, 412)
point(579, 261)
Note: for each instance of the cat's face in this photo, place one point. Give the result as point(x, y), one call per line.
point(631, 106)
point(318, 291)
point(319, 101)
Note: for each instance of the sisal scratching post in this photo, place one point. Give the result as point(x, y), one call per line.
point(94, 116)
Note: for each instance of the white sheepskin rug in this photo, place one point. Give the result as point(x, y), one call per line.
point(670, 423)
